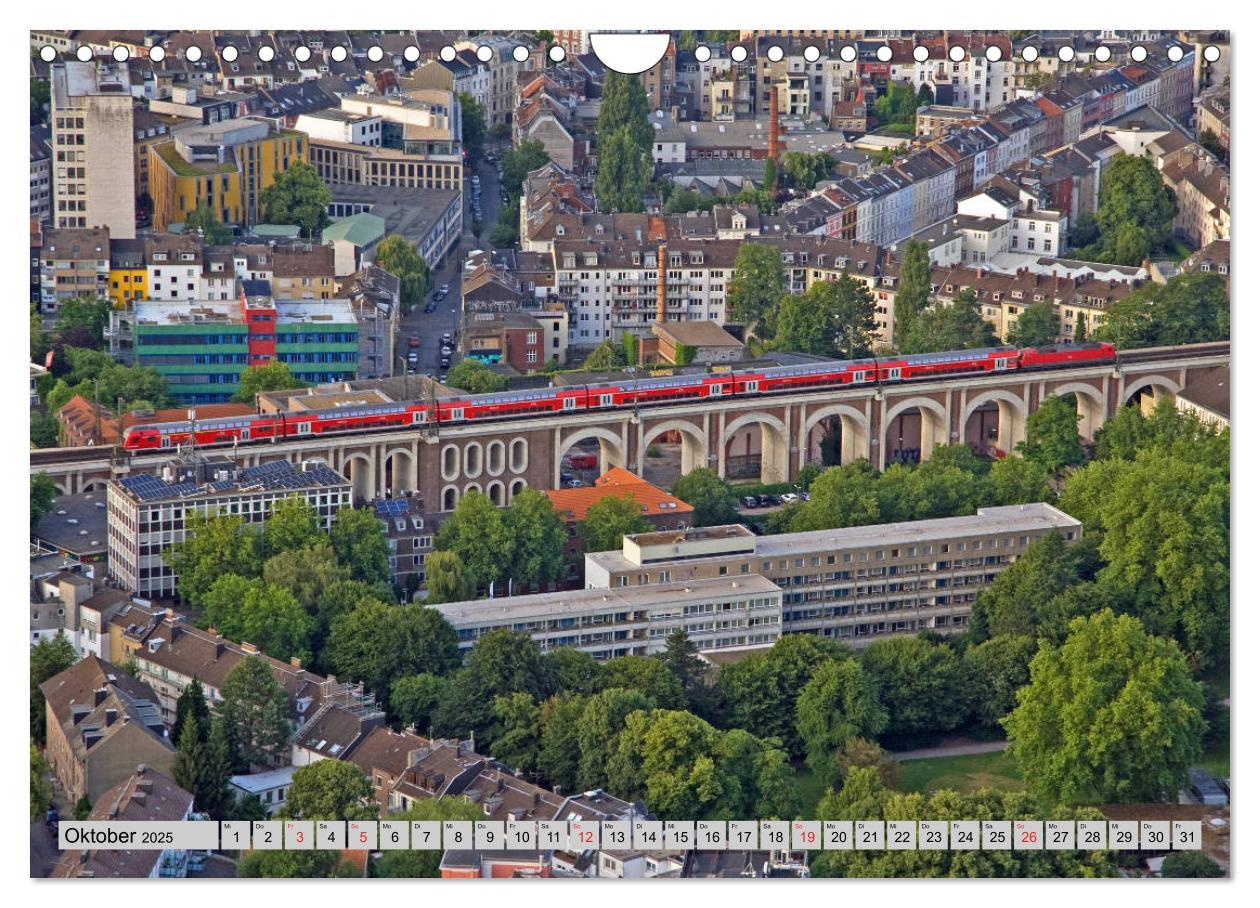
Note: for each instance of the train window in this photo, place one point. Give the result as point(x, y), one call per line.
point(304, 428)
point(569, 403)
point(894, 373)
point(457, 413)
point(166, 441)
point(750, 386)
point(1004, 363)
point(605, 400)
point(244, 434)
point(417, 416)
point(859, 376)
point(715, 390)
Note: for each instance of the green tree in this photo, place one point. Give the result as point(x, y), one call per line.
point(623, 105)
point(994, 670)
point(712, 497)
point(212, 548)
point(1080, 333)
point(925, 96)
point(82, 808)
point(202, 218)
point(1052, 440)
point(473, 119)
point(625, 171)
point(610, 519)
point(559, 754)
point(214, 794)
point(917, 681)
point(40, 97)
point(292, 865)
point(1211, 143)
point(255, 709)
point(1190, 864)
point(756, 285)
point(45, 430)
point(831, 318)
point(417, 863)
point(1037, 326)
point(475, 377)
point(292, 524)
point(857, 753)
point(1018, 480)
point(48, 658)
point(86, 314)
point(536, 537)
point(1191, 308)
point(446, 579)
point(311, 575)
point(648, 676)
point(41, 791)
point(957, 325)
point(298, 196)
point(1135, 212)
point(358, 540)
point(475, 532)
point(516, 164)
point(914, 287)
point(415, 698)
point(682, 658)
point(401, 259)
point(759, 692)
point(247, 808)
point(803, 169)
point(604, 357)
point(189, 761)
point(838, 702)
point(1166, 542)
point(378, 643)
point(571, 670)
point(265, 615)
point(330, 790)
point(43, 494)
point(520, 730)
point(1111, 715)
point(272, 376)
point(863, 797)
point(39, 339)
point(191, 708)
point(896, 107)
point(1020, 601)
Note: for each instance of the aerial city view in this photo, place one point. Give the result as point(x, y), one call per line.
point(805, 454)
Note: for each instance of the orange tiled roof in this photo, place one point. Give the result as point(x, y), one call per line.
point(572, 504)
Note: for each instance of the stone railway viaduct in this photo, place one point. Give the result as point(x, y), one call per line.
point(781, 433)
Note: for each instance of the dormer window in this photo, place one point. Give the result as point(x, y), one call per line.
point(559, 230)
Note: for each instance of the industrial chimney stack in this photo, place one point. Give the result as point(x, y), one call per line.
point(662, 259)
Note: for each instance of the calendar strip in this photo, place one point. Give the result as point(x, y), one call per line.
point(640, 835)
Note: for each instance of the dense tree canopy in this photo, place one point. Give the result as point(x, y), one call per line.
point(378, 643)
point(1053, 440)
point(914, 287)
point(918, 682)
point(1111, 715)
point(1135, 213)
point(756, 285)
point(401, 259)
point(1191, 308)
point(475, 377)
point(272, 376)
point(831, 318)
point(957, 325)
point(838, 702)
point(610, 519)
point(299, 197)
point(714, 500)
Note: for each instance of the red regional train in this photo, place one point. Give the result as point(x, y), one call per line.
point(629, 393)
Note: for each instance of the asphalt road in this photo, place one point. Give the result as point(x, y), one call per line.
point(430, 327)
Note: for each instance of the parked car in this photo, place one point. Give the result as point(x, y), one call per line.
point(445, 288)
point(430, 307)
point(446, 337)
point(445, 362)
point(750, 501)
point(788, 497)
point(566, 477)
point(574, 484)
point(766, 500)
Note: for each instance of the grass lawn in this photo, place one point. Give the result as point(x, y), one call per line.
point(1215, 759)
point(963, 774)
point(812, 787)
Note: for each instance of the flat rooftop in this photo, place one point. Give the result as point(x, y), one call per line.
point(277, 475)
point(547, 605)
point(163, 313)
point(985, 522)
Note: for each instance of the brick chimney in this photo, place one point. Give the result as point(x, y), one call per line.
point(774, 125)
point(662, 260)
